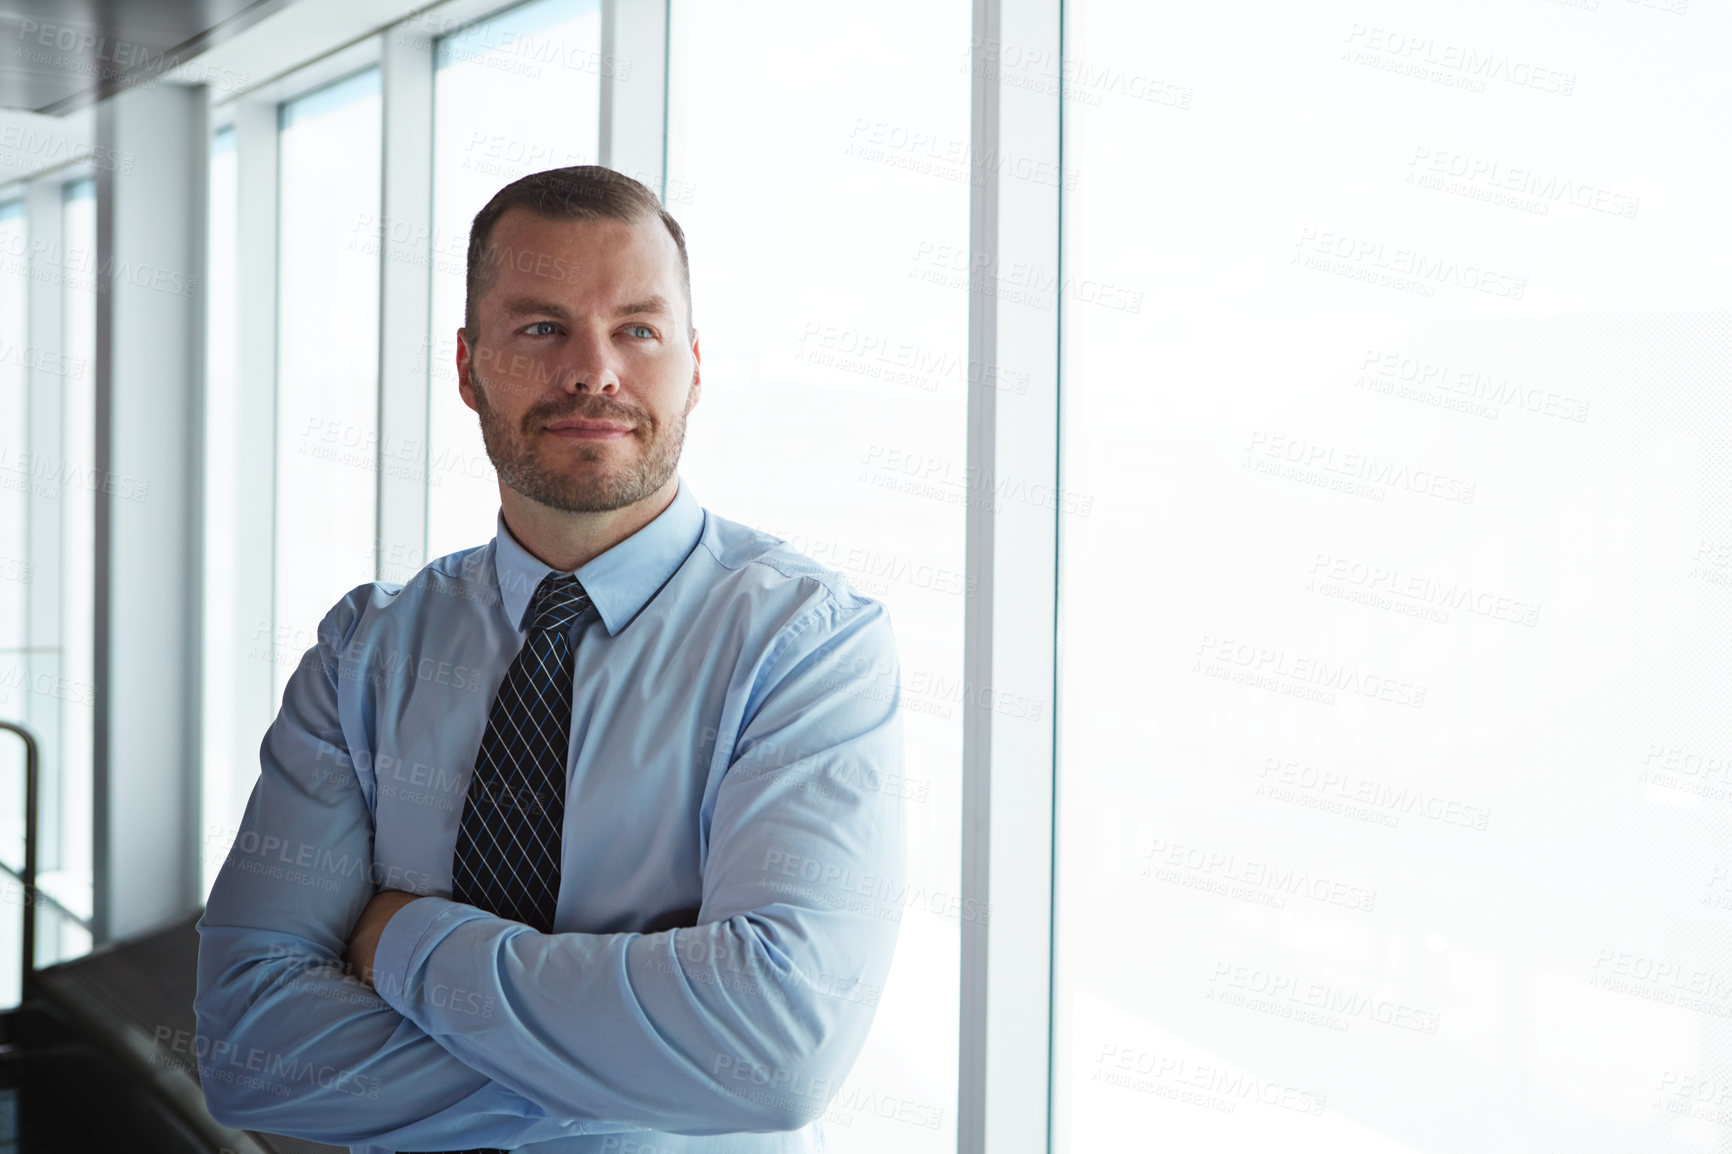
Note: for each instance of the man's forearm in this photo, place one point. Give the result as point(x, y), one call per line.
point(709, 1029)
point(292, 1045)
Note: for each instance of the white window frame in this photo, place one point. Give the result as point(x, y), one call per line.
point(1010, 636)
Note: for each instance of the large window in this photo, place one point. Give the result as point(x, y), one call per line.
point(512, 95)
point(327, 356)
point(48, 487)
point(1393, 562)
point(834, 404)
point(1394, 766)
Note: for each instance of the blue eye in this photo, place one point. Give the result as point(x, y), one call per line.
point(537, 324)
point(649, 333)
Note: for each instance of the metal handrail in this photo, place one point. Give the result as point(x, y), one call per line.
point(45, 896)
point(28, 877)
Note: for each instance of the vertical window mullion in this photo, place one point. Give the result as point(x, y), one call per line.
point(1011, 626)
point(406, 243)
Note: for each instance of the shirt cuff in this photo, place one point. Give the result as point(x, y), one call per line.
point(398, 943)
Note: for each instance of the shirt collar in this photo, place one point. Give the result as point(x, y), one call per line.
point(620, 581)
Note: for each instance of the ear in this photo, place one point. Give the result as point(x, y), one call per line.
point(697, 365)
point(465, 387)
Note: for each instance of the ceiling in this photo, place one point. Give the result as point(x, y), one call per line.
point(57, 56)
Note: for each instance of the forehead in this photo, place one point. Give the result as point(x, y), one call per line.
point(606, 258)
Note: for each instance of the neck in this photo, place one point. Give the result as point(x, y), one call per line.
point(565, 541)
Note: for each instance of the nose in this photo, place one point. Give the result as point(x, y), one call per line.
point(588, 362)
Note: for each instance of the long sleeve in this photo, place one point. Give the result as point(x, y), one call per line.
point(746, 1021)
point(286, 1043)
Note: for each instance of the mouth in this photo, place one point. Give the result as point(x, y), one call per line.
point(589, 430)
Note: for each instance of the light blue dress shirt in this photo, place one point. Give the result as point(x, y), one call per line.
point(732, 868)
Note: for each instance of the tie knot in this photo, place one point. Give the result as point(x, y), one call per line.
point(558, 601)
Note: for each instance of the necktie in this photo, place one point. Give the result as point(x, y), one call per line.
point(508, 839)
point(507, 858)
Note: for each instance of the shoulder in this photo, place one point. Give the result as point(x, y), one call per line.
point(755, 561)
point(455, 578)
point(806, 601)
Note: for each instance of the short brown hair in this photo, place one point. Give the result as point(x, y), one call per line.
point(580, 192)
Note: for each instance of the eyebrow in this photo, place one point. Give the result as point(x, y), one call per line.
point(527, 306)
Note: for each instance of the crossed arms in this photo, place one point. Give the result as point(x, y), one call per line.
point(480, 1031)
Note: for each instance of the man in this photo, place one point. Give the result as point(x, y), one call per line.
point(567, 844)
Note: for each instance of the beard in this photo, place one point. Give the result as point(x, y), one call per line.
point(580, 476)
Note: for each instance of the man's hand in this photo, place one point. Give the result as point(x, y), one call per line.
point(364, 941)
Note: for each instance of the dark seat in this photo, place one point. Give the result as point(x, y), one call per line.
point(101, 1057)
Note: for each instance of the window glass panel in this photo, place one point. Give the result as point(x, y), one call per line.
point(327, 356)
point(1394, 770)
point(834, 406)
point(512, 95)
point(225, 794)
point(14, 423)
point(14, 576)
point(47, 631)
point(68, 803)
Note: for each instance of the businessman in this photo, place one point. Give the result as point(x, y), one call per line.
point(571, 843)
